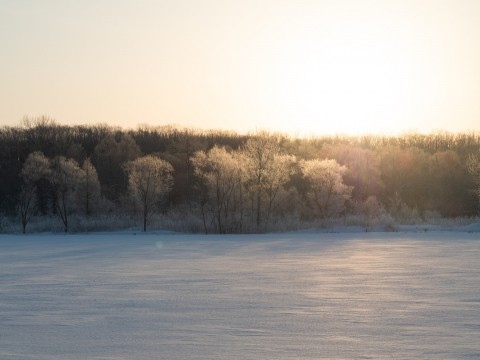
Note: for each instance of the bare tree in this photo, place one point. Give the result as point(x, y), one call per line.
point(149, 179)
point(327, 193)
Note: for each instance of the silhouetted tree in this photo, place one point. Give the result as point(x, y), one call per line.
point(88, 187)
point(473, 166)
point(109, 157)
point(448, 188)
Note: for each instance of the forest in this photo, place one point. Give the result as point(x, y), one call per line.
point(83, 178)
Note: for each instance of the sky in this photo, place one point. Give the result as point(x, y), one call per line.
point(303, 67)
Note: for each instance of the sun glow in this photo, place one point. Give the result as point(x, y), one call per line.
point(350, 88)
point(353, 82)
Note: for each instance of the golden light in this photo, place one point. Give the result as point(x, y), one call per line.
point(358, 72)
point(350, 85)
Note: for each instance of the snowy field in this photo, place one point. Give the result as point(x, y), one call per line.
point(288, 296)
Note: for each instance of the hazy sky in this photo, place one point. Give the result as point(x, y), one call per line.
point(303, 66)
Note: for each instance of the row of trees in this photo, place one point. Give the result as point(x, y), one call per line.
point(232, 182)
point(234, 189)
point(255, 185)
point(65, 187)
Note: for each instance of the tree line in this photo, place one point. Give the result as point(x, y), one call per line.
point(231, 182)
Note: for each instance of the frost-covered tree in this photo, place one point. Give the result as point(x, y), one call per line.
point(149, 178)
point(278, 176)
point(327, 193)
point(65, 177)
point(264, 171)
point(36, 167)
point(61, 174)
point(219, 174)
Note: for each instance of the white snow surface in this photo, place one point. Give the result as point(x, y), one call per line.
point(274, 296)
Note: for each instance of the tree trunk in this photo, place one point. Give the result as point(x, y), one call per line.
point(258, 210)
point(204, 219)
point(145, 215)
point(219, 210)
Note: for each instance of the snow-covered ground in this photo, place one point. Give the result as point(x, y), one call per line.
point(274, 296)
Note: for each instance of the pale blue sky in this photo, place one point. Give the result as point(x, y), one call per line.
point(303, 66)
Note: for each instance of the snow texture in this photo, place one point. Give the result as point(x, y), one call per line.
point(274, 296)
